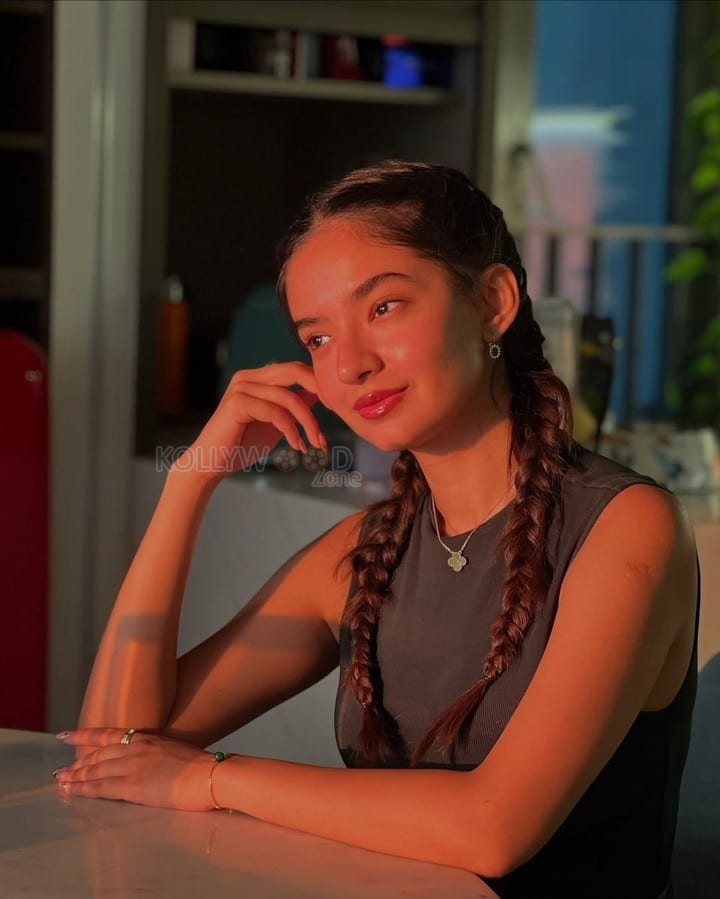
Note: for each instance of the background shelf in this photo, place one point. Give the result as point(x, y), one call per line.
point(24, 7)
point(22, 140)
point(308, 88)
point(21, 283)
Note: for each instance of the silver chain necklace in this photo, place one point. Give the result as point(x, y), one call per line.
point(457, 560)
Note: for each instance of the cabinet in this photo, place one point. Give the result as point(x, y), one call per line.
point(25, 164)
point(230, 156)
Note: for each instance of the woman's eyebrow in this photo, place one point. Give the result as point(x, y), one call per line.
point(358, 293)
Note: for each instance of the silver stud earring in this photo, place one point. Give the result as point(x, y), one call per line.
point(495, 350)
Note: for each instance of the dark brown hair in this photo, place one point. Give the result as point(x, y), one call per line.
point(441, 215)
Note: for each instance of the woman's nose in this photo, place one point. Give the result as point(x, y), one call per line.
point(356, 362)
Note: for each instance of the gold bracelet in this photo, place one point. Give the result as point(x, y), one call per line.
point(217, 757)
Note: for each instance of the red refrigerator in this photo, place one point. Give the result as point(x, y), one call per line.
point(23, 531)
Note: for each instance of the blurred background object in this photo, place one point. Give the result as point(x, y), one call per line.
point(23, 531)
point(26, 161)
point(26, 148)
point(173, 334)
point(596, 368)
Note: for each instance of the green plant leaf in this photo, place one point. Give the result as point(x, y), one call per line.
point(712, 45)
point(673, 397)
point(710, 152)
point(711, 125)
point(690, 263)
point(705, 177)
point(709, 340)
point(705, 367)
point(705, 102)
point(704, 405)
point(707, 215)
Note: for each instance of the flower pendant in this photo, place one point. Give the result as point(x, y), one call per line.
point(457, 560)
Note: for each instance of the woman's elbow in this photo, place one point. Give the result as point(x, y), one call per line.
point(493, 856)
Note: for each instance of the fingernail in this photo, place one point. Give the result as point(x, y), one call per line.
point(58, 770)
point(63, 736)
point(303, 446)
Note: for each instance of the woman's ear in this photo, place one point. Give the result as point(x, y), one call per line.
point(501, 300)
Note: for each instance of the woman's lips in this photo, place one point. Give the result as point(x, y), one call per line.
point(383, 406)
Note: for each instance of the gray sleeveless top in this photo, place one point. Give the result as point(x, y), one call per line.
point(432, 639)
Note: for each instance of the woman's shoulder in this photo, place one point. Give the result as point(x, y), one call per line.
point(593, 479)
point(591, 485)
point(591, 469)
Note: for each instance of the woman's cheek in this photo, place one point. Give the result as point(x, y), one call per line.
point(425, 342)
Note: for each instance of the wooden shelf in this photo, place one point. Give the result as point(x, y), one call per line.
point(21, 283)
point(24, 7)
point(435, 21)
point(22, 140)
point(309, 88)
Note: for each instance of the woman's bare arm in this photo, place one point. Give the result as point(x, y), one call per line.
point(280, 643)
point(134, 676)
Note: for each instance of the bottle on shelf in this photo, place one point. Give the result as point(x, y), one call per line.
point(403, 65)
point(173, 339)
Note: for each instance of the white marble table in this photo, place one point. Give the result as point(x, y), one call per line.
point(52, 847)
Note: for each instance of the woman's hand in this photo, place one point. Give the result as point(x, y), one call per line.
point(150, 770)
point(255, 412)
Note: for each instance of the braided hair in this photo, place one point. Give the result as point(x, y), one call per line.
point(441, 215)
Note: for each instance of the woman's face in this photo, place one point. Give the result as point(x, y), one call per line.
point(388, 320)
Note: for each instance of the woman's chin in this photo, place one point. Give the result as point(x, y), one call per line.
point(383, 440)
point(391, 434)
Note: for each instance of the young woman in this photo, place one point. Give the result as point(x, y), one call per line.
point(515, 626)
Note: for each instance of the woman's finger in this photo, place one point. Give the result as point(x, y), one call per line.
point(256, 410)
point(107, 767)
point(96, 756)
point(105, 788)
point(280, 374)
point(297, 410)
point(99, 736)
point(273, 382)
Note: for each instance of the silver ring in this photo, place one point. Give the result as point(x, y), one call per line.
point(128, 735)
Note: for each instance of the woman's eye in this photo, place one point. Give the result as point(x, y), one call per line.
point(312, 342)
point(385, 303)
